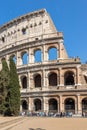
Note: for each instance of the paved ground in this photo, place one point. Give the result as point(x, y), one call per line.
point(38, 123)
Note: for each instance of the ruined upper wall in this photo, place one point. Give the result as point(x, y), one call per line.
point(32, 26)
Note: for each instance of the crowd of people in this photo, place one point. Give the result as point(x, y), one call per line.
point(44, 114)
point(51, 114)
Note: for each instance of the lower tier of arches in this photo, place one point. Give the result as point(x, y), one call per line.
point(76, 104)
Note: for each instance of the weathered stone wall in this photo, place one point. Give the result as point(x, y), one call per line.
point(28, 34)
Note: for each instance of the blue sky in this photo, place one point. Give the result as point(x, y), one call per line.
point(69, 17)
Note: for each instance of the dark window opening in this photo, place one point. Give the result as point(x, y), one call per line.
point(37, 81)
point(24, 82)
point(3, 39)
point(46, 21)
point(53, 79)
point(84, 104)
point(85, 78)
point(69, 105)
point(36, 39)
point(24, 31)
point(40, 23)
point(53, 106)
point(37, 104)
point(24, 105)
point(69, 78)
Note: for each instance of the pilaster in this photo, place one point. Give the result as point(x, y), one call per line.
point(61, 109)
point(45, 104)
point(79, 109)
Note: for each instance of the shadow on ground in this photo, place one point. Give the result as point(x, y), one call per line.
point(36, 129)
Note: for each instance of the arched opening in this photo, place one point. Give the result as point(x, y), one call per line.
point(69, 78)
point(37, 104)
point(53, 105)
point(53, 79)
point(14, 58)
point(52, 53)
point(37, 81)
point(84, 105)
point(24, 105)
point(24, 82)
point(23, 31)
point(37, 56)
point(24, 58)
point(69, 105)
point(3, 39)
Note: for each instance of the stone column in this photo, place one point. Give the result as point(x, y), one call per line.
point(43, 79)
point(60, 49)
point(28, 80)
point(45, 54)
point(79, 109)
point(31, 56)
point(61, 80)
point(45, 104)
point(20, 107)
point(60, 104)
point(76, 106)
point(30, 104)
point(7, 59)
point(31, 82)
point(78, 80)
point(19, 59)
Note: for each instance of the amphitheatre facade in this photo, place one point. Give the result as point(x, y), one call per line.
point(50, 80)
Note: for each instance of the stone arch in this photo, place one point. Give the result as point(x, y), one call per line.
point(52, 53)
point(24, 82)
point(52, 79)
point(38, 55)
point(84, 104)
point(24, 56)
point(53, 105)
point(24, 105)
point(37, 104)
point(69, 78)
point(37, 80)
point(69, 105)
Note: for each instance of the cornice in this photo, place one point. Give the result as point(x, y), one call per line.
point(25, 16)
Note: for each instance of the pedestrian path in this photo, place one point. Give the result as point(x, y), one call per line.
point(8, 122)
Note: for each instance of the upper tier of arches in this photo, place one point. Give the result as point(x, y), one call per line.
point(36, 56)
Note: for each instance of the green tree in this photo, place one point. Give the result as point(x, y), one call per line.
point(5, 66)
point(14, 90)
point(4, 82)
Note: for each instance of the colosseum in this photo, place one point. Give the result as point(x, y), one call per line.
point(50, 81)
